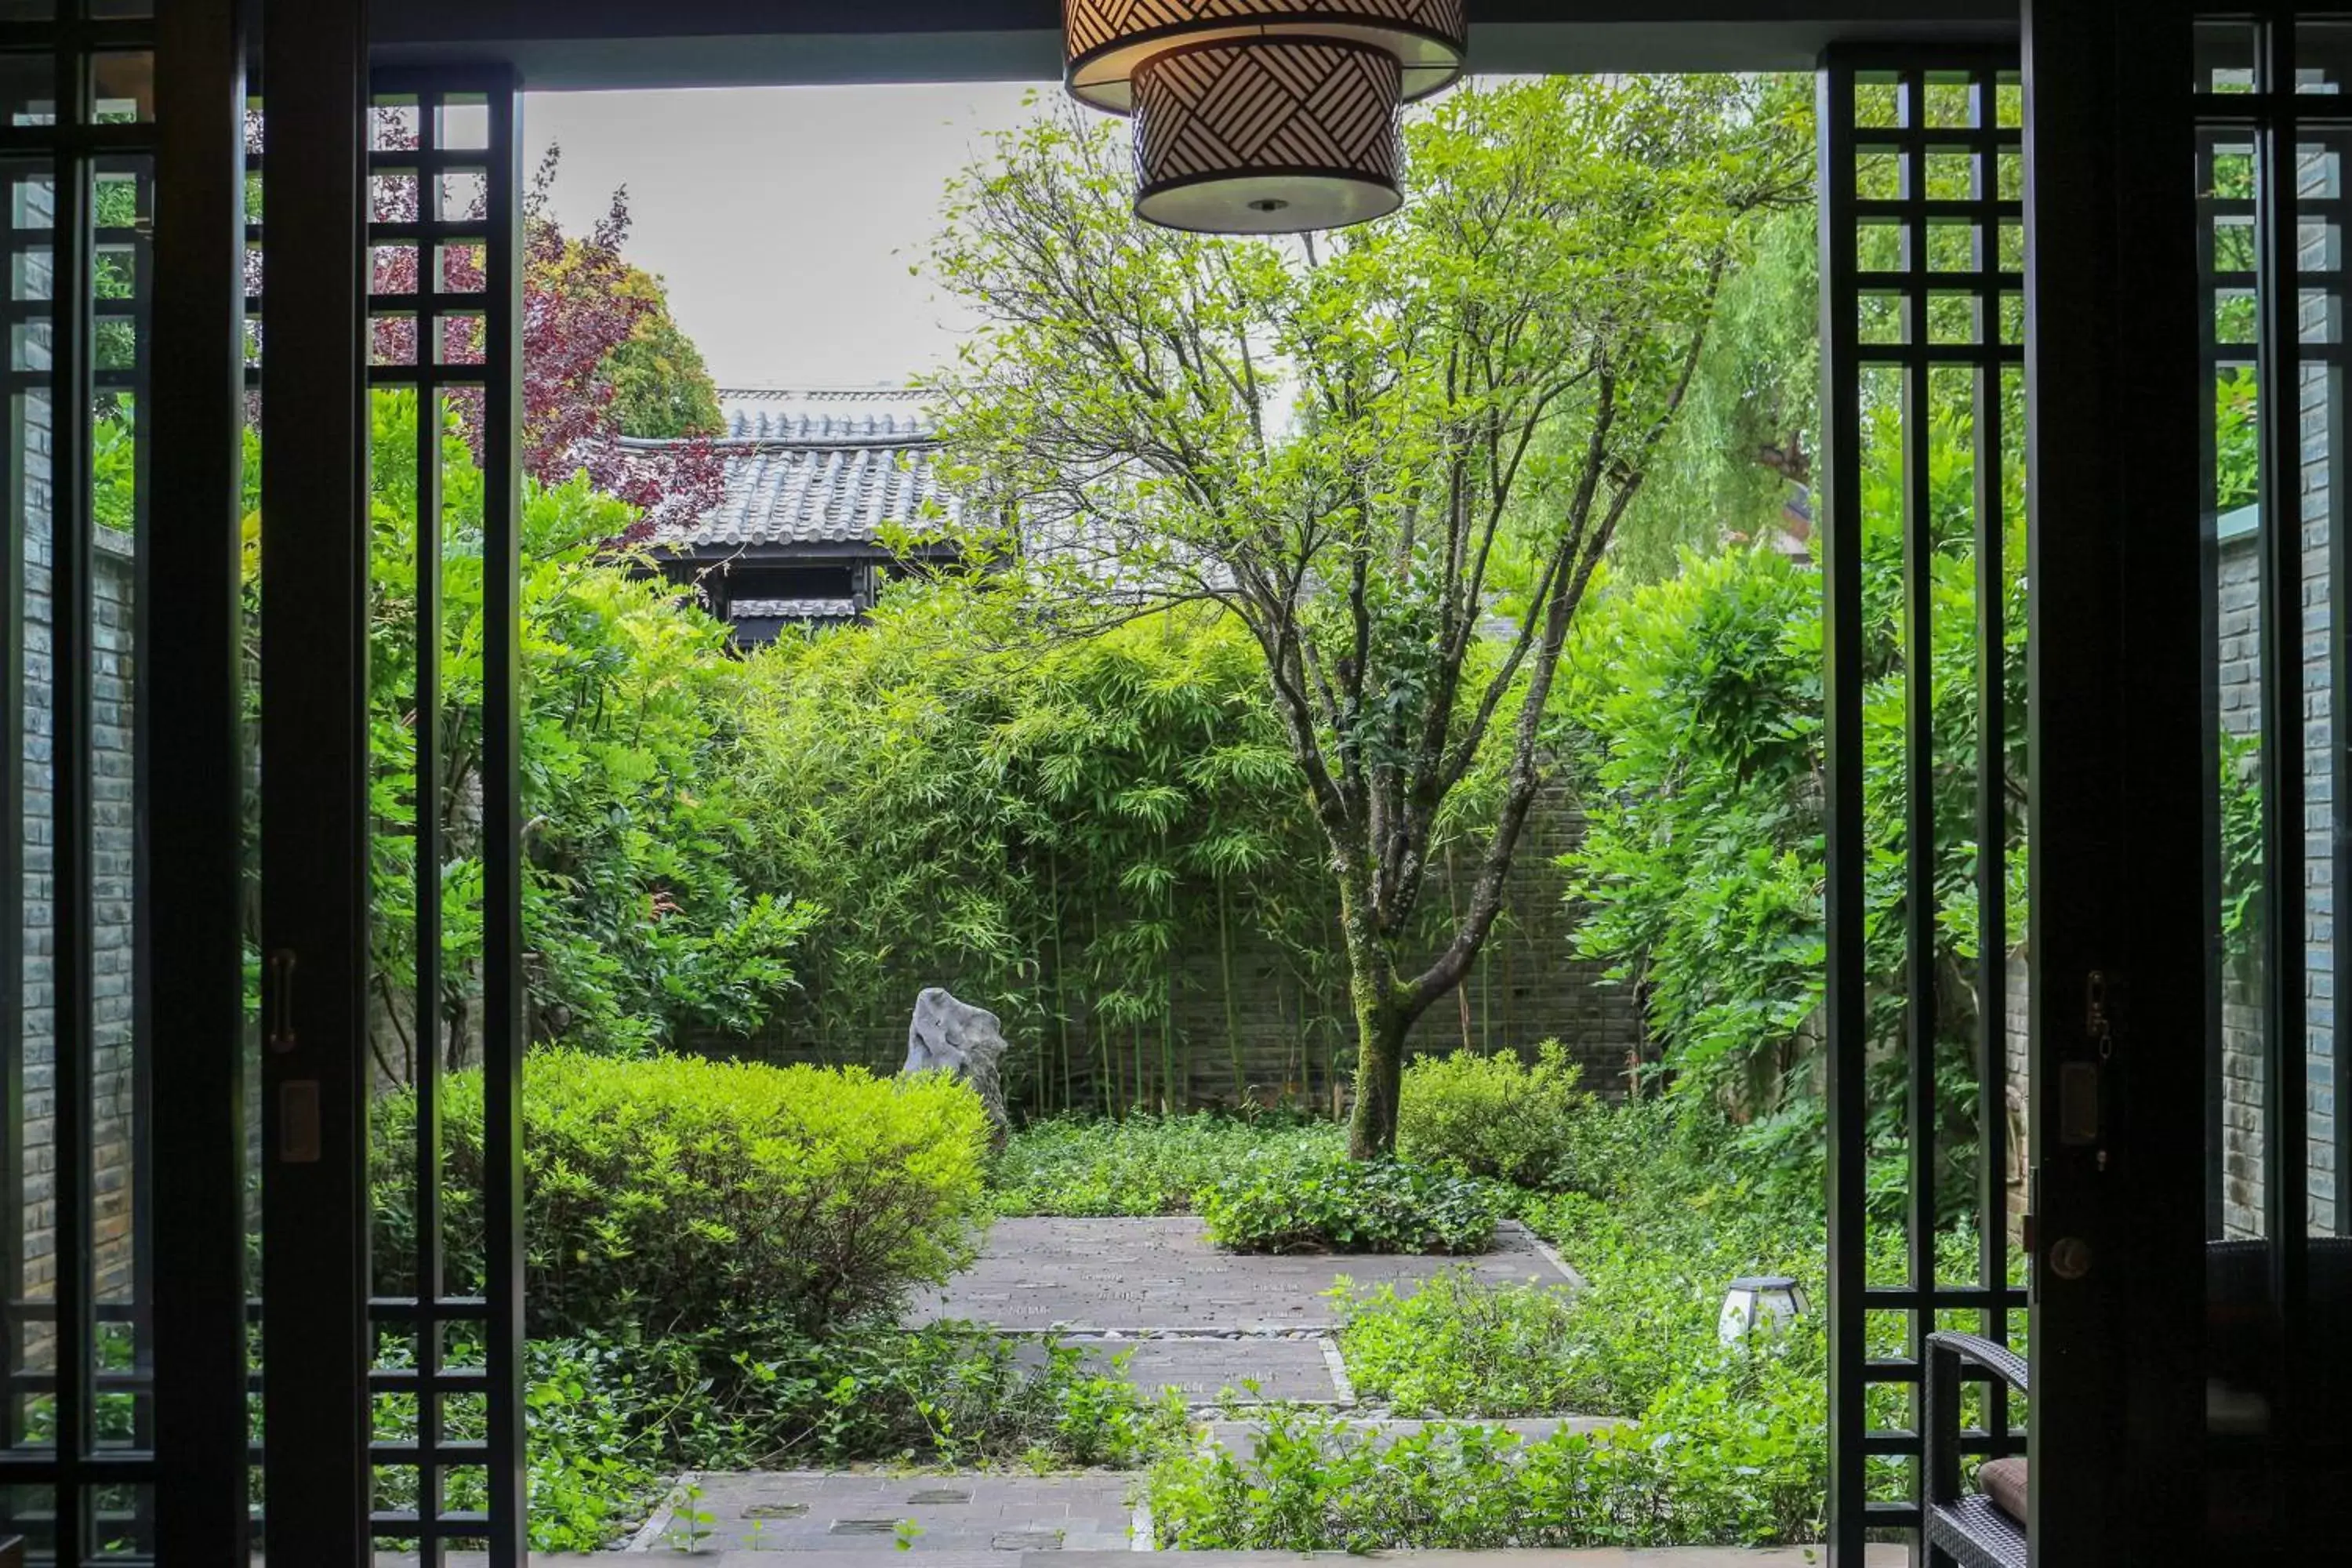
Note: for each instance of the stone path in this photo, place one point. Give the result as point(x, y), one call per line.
point(1297, 1369)
point(1162, 1274)
point(1185, 1316)
point(1237, 1436)
point(990, 1514)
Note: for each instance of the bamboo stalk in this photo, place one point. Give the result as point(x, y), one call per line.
point(1225, 973)
point(1170, 1096)
point(1061, 998)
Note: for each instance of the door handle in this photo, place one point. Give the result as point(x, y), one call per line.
point(278, 1003)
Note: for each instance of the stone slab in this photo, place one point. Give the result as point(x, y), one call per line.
point(1239, 1436)
point(1203, 1371)
point(1163, 1273)
point(997, 1516)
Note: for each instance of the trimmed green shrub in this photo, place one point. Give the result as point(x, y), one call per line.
point(1331, 1203)
point(676, 1194)
point(1495, 1116)
point(1143, 1166)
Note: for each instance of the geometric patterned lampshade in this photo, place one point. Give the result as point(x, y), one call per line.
point(1263, 116)
point(1108, 40)
point(1263, 138)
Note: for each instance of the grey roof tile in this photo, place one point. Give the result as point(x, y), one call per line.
point(819, 473)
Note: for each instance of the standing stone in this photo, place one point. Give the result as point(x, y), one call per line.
point(952, 1037)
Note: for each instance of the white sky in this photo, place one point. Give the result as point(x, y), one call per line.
point(783, 218)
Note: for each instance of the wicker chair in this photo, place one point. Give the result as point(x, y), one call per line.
point(1984, 1529)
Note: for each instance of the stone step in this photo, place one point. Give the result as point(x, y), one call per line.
point(1239, 1434)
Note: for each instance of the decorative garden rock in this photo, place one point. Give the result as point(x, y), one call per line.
point(953, 1037)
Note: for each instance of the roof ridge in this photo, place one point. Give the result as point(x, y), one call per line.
point(824, 394)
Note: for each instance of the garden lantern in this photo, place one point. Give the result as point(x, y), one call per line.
point(1263, 116)
point(1760, 1301)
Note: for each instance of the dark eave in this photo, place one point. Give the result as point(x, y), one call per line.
point(603, 44)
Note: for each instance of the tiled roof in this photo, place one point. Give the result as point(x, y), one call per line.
point(825, 414)
point(820, 468)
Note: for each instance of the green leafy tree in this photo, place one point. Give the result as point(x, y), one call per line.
point(661, 388)
point(1741, 451)
point(1396, 456)
point(1699, 700)
point(638, 924)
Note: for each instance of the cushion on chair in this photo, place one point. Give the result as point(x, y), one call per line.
point(2003, 1480)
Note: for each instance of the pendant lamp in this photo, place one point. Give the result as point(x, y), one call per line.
point(1263, 116)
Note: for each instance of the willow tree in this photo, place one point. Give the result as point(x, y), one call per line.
point(1397, 454)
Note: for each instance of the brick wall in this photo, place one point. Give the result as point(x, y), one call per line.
point(2237, 652)
point(113, 936)
point(113, 856)
point(1288, 1038)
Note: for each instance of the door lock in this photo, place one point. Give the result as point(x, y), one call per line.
point(280, 1002)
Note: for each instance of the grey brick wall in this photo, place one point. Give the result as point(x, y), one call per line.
point(113, 957)
point(1292, 1037)
point(2238, 655)
point(114, 850)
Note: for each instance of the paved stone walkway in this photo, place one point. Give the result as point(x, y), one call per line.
point(1185, 1316)
point(1238, 1436)
point(996, 1515)
point(1131, 1274)
point(1296, 1369)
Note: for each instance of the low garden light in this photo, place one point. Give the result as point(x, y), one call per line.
point(1263, 116)
point(1768, 1302)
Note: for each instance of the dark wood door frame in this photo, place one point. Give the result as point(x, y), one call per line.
point(2117, 782)
point(2114, 616)
point(315, 827)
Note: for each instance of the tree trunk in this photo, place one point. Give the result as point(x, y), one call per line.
point(1385, 1009)
point(1381, 1026)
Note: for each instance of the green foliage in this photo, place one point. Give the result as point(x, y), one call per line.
point(1046, 824)
point(1144, 1165)
point(679, 1194)
point(596, 1459)
point(1713, 1466)
point(1495, 1116)
point(950, 1392)
point(1725, 1445)
point(2240, 796)
point(640, 923)
point(2237, 439)
point(1699, 702)
point(1290, 1202)
point(1462, 1346)
point(1741, 447)
point(1701, 862)
point(661, 387)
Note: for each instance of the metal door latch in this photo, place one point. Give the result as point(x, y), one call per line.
point(280, 1001)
